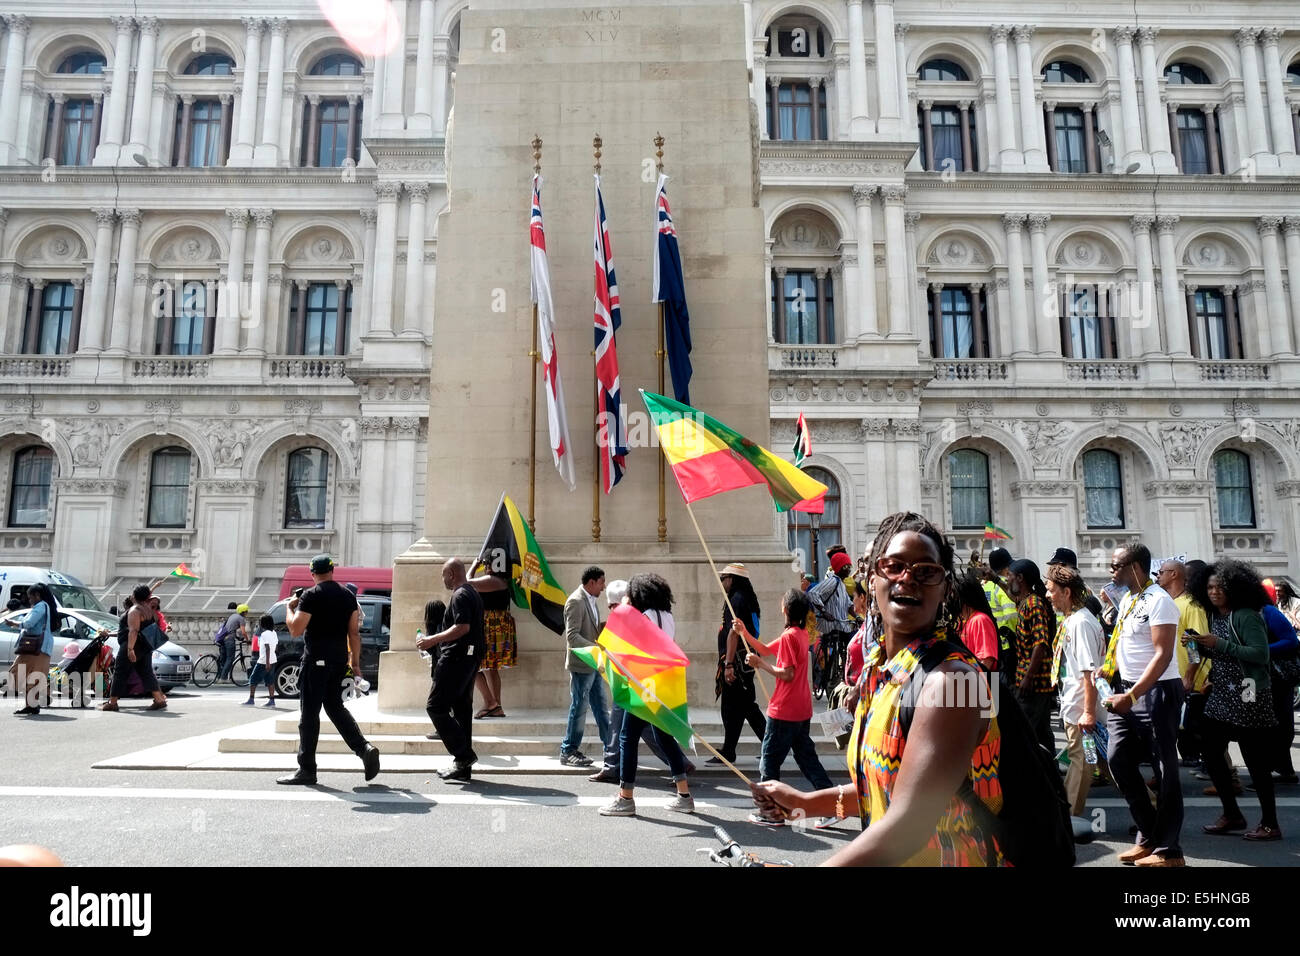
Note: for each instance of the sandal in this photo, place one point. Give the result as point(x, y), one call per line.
point(496, 712)
point(1224, 825)
point(1262, 832)
point(485, 712)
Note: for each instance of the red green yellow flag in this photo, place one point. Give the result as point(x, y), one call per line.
point(181, 571)
point(645, 670)
point(708, 457)
point(993, 533)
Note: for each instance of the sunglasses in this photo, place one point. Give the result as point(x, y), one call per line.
point(1118, 567)
point(924, 573)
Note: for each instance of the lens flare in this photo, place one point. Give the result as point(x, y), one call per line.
point(369, 27)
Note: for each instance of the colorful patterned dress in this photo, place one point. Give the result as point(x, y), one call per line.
point(876, 753)
point(498, 631)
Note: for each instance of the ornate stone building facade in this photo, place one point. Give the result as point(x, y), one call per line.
point(1043, 275)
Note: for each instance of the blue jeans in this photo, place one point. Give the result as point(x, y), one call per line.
point(629, 747)
point(614, 747)
point(584, 690)
point(781, 737)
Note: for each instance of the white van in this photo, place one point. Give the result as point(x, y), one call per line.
point(68, 592)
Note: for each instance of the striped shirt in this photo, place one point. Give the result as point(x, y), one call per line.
point(830, 601)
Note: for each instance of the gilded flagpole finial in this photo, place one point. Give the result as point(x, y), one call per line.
point(537, 154)
point(596, 144)
point(659, 153)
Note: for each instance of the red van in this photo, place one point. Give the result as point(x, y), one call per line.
point(377, 581)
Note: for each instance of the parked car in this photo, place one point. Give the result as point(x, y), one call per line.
point(68, 592)
point(171, 662)
point(376, 615)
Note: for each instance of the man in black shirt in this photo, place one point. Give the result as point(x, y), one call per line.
point(329, 616)
point(460, 650)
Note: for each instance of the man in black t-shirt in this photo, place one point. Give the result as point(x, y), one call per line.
point(460, 650)
point(331, 620)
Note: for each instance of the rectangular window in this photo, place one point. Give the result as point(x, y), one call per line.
point(945, 124)
point(76, 146)
point(1084, 323)
point(969, 471)
point(333, 134)
point(1070, 146)
point(1218, 333)
point(802, 317)
point(169, 486)
point(1193, 142)
point(957, 323)
point(328, 318)
point(794, 110)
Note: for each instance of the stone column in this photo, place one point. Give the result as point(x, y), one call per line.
point(250, 79)
point(1212, 139)
point(1175, 325)
point(774, 108)
point(896, 281)
point(227, 338)
point(1291, 229)
point(860, 118)
point(823, 327)
point(393, 119)
point(93, 332)
point(1008, 156)
point(1146, 322)
point(267, 152)
point(361, 297)
point(759, 94)
point(1089, 138)
point(414, 306)
point(910, 221)
point(968, 154)
point(1047, 328)
point(1021, 340)
point(32, 327)
point(54, 141)
point(1128, 101)
point(78, 304)
point(1279, 323)
point(847, 286)
point(223, 146)
point(139, 141)
point(979, 319)
point(125, 288)
point(353, 98)
point(15, 54)
point(296, 340)
point(886, 68)
point(1189, 290)
point(1175, 138)
point(1256, 130)
point(1279, 115)
point(156, 109)
point(112, 133)
point(374, 443)
point(936, 322)
point(779, 318)
point(900, 64)
point(843, 119)
point(261, 280)
point(183, 151)
point(870, 322)
point(381, 312)
point(815, 112)
point(1157, 125)
point(1031, 122)
point(422, 116)
point(97, 118)
point(1049, 110)
point(927, 133)
point(987, 145)
point(311, 119)
point(1235, 349)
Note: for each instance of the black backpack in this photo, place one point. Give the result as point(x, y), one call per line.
point(1033, 829)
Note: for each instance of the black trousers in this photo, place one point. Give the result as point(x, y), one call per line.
point(321, 685)
point(1038, 711)
point(738, 706)
point(1149, 732)
point(143, 666)
point(1283, 710)
point(451, 702)
point(1257, 750)
point(1189, 735)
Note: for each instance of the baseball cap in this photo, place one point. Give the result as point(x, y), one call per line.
point(839, 561)
point(322, 564)
point(1064, 556)
point(999, 559)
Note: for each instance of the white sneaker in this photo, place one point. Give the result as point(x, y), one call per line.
point(757, 817)
point(620, 806)
point(682, 803)
point(824, 823)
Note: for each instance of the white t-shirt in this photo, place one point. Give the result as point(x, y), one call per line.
point(1137, 613)
point(1084, 650)
point(267, 641)
point(663, 620)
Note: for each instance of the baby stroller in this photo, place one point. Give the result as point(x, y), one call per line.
point(72, 675)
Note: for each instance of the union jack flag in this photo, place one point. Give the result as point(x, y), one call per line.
point(561, 452)
point(611, 429)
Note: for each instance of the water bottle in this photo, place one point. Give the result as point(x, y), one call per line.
point(419, 636)
point(1193, 653)
point(1089, 748)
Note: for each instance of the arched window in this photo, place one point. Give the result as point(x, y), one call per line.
point(943, 71)
point(1063, 71)
point(336, 64)
point(809, 535)
point(801, 71)
point(29, 492)
point(1293, 73)
point(1186, 74)
point(169, 487)
point(1233, 485)
point(969, 475)
point(304, 497)
point(797, 37)
point(210, 64)
point(1103, 489)
point(82, 63)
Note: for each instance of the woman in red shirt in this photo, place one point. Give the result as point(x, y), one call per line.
point(978, 632)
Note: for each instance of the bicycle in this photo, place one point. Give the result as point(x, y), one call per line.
point(732, 854)
point(829, 657)
point(206, 669)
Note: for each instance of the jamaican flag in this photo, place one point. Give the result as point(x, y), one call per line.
point(510, 551)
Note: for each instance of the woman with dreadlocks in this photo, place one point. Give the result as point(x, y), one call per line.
point(907, 774)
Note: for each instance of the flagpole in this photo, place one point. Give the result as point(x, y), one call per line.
point(646, 692)
point(533, 356)
point(596, 143)
point(660, 353)
point(727, 597)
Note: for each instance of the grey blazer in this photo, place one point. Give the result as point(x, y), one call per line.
point(580, 630)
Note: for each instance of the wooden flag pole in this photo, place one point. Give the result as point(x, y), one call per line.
point(533, 357)
point(660, 354)
point(595, 487)
point(727, 597)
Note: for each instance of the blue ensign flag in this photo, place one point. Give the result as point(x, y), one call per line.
point(670, 289)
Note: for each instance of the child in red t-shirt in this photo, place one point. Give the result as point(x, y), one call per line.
point(789, 713)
